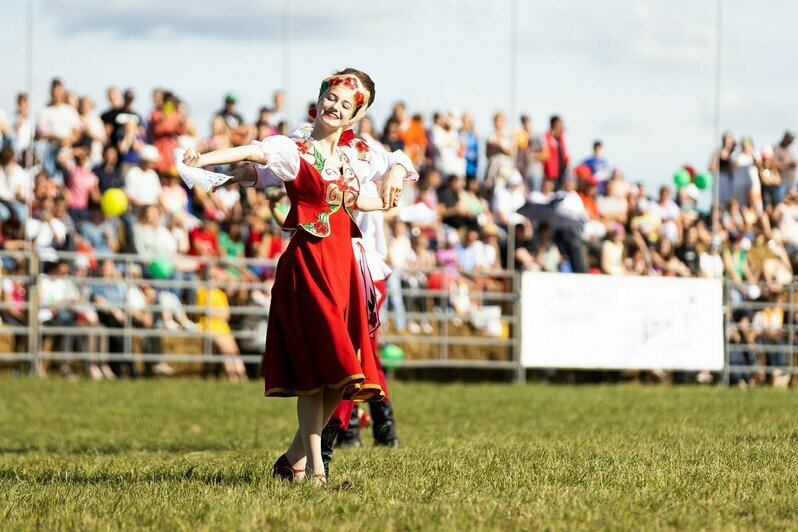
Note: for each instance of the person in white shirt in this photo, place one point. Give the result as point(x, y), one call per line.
point(142, 184)
point(47, 233)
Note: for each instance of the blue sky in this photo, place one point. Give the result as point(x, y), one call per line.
point(637, 74)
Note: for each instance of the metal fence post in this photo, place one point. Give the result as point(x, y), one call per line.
point(727, 319)
point(518, 333)
point(33, 316)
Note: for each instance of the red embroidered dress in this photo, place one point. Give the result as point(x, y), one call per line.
point(318, 334)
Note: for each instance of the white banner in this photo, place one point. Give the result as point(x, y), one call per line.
point(608, 322)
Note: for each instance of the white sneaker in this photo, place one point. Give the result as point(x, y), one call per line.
point(414, 328)
point(171, 325)
point(190, 326)
point(197, 176)
point(108, 373)
point(161, 368)
point(95, 373)
point(427, 328)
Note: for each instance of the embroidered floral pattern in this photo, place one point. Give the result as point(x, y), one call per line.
point(360, 99)
point(302, 147)
point(321, 227)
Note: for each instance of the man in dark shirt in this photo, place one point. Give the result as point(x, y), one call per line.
point(108, 172)
point(109, 116)
point(452, 212)
point(688, 253)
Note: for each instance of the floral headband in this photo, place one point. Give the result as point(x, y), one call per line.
point(352, 83)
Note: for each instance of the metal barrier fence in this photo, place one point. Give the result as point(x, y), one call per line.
point(760, 334)
point(34, 333)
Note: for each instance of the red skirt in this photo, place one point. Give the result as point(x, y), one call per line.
point(318, 332)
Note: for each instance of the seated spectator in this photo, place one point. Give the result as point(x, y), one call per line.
point(216, 320)
point(82, 183)
point(142, 184)
point(46, 232)
point(99, 233)
point(151, 236)
point(107, 171)
point(15, 184)
point(612, 252)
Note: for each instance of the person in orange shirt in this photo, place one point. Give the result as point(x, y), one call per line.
point(412, 133)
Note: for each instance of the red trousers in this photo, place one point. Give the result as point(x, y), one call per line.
point(340, 418)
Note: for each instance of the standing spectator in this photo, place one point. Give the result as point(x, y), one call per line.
point(597, 163)
point(166, 126)
point(785, 162)
point(555, 166)
point(142, 184)
point(746, 188)
point(238, 128)
point(391, 137)
point(278, 108)
point(58, 127)
point(497, 151)
point(770, 179)
point(92, 127)
point(531, 152)
point(448, 151)
point(22, 130)
point(113, 129)
point(722, 164)
point(107, 172)
point(470, 143)
point(452, 211)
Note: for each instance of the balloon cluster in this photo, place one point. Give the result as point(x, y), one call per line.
point(702, 180)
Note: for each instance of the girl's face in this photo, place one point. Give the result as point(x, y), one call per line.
point(336, 107)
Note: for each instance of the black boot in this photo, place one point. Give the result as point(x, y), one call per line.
point(351, 436)
point(384, 427)
point(327, 442)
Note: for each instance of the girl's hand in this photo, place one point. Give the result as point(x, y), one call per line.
point(191, 157)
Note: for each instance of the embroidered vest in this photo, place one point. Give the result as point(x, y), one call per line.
point(319, 191)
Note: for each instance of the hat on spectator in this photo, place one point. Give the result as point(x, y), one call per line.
point(585, 174)
point(789, 135)
point(230, 97)
point(150, 154)
point(767, 152)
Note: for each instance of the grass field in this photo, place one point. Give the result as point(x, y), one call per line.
point(198, 455)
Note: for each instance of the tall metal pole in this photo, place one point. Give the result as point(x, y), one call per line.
point(716, 125)
point(511, 119)
point(287, 58)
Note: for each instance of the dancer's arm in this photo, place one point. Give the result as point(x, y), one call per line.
point(250, 152)
point(370, 203)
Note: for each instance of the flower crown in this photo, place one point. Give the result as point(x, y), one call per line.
point(353, 84)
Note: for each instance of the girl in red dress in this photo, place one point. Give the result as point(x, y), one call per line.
point(317, 345)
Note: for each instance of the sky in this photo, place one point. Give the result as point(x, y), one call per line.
point(637, 74)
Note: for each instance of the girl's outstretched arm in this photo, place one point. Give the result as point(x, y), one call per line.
point(249, 152)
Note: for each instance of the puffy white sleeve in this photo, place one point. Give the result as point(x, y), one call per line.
point(380, 161)
point(282, 161)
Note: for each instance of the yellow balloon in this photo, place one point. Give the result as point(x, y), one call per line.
point(113, 201)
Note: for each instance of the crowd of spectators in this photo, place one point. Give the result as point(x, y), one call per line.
point(56, 164)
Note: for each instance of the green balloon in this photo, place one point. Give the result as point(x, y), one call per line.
point(392, 356)
point(704, 180)
point(681, 178)
point(161, 267)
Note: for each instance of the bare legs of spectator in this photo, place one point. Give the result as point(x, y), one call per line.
point(226, 345)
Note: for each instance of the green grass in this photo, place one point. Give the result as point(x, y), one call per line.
point(198, 455)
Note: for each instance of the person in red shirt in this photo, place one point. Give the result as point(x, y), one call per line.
point(555, 167)
point(204, 239)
